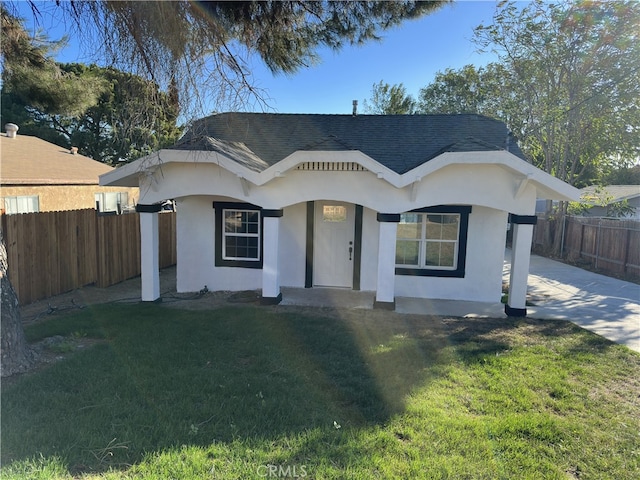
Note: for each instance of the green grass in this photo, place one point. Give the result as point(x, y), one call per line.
point(251, 392)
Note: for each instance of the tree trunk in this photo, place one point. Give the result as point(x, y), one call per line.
point(15, 354)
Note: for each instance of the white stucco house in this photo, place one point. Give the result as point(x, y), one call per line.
point(401, 205)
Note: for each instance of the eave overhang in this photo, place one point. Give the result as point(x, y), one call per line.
point(547, 186)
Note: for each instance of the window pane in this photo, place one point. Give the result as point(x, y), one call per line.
point(110, 202)
point(230, 247)
point(450, 225)
point(11, 205)
point(334, 213)
point(22, 204)
point(238, 246)
point(407, 252)
point(428, 240)
point(447, 252)
point(253, 222)
point(410, 226)
point(411, 218)
point(434, 227)
point(432, 254)
point(232, 221)
point(440, 254)
point(238, 221)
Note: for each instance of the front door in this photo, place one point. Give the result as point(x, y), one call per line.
point(333, 244)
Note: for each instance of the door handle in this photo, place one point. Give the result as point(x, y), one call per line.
point(350, 250)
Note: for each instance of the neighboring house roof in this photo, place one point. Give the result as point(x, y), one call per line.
point(26, 160)
point(595, 194)
point(399, 142)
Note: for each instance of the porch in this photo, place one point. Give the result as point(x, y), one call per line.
point(350, 299)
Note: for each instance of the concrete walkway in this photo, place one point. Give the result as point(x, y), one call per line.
point(604, 305)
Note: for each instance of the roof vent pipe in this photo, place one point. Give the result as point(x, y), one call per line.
point(73, 150)
point(355, 108)
point(11, 129)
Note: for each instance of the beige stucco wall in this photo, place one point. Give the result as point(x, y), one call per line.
point(64, 197)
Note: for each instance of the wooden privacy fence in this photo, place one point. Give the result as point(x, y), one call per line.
point(55, 252)
point(608, 245)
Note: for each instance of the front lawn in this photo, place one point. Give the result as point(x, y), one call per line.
point(248, 392)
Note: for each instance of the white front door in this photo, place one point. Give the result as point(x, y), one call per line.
point(333, 244)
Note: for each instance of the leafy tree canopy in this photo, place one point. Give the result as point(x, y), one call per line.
point(572, 78)
point(35, 78)
point(567, 84)
point(204, 48)
point(389, 100)
point(112, 116)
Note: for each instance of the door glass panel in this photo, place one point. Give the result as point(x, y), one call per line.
point(334, 213)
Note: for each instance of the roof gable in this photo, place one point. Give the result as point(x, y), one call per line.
point(328, 144)
point(399, 142)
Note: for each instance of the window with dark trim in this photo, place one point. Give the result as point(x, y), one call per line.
point(432, 241)
point(238, 241)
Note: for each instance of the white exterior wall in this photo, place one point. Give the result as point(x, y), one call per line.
point(370, 239)
point(293, 238)
point(195, 230)
point(195, 242)
point(487, 188)
point(485, 257)
point(486, 185)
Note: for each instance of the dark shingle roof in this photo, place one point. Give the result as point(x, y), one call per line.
point(400, 142)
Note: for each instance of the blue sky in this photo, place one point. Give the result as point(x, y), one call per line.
point(410, 54)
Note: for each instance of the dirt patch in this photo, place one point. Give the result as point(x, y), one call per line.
point(65, 303)
point(51, 350)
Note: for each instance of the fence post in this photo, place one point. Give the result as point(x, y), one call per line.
point(564, 223)
point(627, 245)
point(598, 237)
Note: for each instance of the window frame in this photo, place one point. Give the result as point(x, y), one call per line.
point(221, 235)
point(33, 199)
point(103, 199)
point(463, 228)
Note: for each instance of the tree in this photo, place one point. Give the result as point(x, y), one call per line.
point(132, 118)
point(123, 124)
point(112, 116)
point(623, 176)
point(389, 100)
point(35, 79)
point(204, 48)
point(453, 91)
point(576, 68)
point(15, 354)
point(566, 83)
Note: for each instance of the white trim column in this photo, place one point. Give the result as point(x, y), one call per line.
point(522, 226)
point(149, 252)
point(271, 294)
point(385, 292)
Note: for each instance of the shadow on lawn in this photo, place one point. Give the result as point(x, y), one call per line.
point(166, 378)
